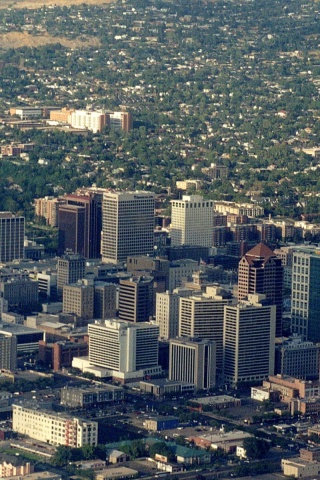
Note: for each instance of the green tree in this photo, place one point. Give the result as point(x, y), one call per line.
point(255, 448)
point(161, 448)
point(62, 456)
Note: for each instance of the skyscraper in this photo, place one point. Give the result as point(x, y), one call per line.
point(167, 314)
point(127, 225)
point(192, 221)
point(136, 299)
point(80, 223)
point(78, 299)
point(11, 237)
point(305, 306)
point(105, 300)
point(71, 268)
point(261, 271)
point(192, 360)
point(8, 352)
point(249, 340)
point(202, 316)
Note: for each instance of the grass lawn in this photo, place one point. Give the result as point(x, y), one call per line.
point(23, 454)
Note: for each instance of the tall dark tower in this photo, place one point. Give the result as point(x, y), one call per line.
point(80, 224)
point(136, 299)
point(261, 271)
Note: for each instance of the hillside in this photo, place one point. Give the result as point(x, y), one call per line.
point(24, 39)
point(32, 4)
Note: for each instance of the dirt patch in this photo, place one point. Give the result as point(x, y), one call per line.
point(24, 39)
point(33, 4)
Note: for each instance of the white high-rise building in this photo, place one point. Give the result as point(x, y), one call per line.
point(127, 225)
point(202, 316)
point(167, 314)
point(192, 221)
point(124, 347)
point(192, 360)
point(249, 340)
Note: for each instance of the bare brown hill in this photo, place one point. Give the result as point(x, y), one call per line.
point(32, 4)
point(24, 39)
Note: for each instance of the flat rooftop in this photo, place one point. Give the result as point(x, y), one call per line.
point(215, 400)
point(15, 329)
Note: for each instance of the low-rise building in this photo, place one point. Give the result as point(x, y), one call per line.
point(54, 428)
point(292, 388)
point(310, 453)
point(263, 393)
point(11, 465)
point(117, 473)
point(227, 441)
point(161, 387)
point(218, 402)
point(89, 396)
point(299, 468)
point(157, 424)
point(39, 476)
point(116, 456)
point(27, 339)
point(60, 354)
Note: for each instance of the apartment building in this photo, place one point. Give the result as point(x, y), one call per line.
point(54, 428)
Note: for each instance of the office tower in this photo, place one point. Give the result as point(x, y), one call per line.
point(123, 346)
point(305, 306)
point(127, 225)
point(249, 340)
point(286, 256)
point(296, 358)
point(192, 360)
point(78, 299)
point(71, 224)
point(155, 267)
point(8, 352)
point(192, 221)
point(80, 223)
point(167, 314)
point(54, 428)
point(105, 302)
point(136, 299)
point(71, 268)
point(202, 316)
point(11, 237)
point(261, 271)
